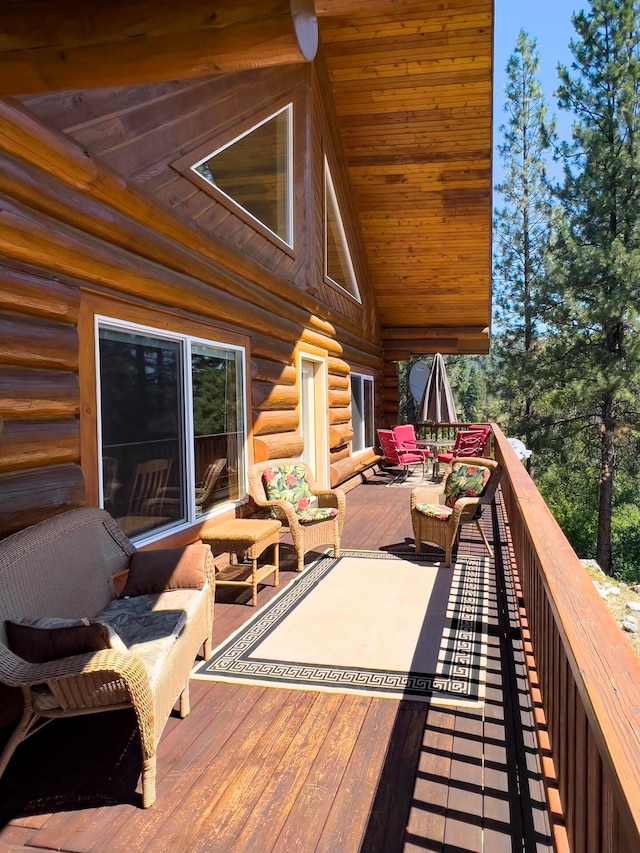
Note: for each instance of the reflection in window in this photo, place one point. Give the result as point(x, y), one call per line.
point(255, 172)
point(218, 443)
point(338, 266)
point(171, 442)
point(361, 412)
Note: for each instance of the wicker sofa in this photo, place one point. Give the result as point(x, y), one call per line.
point(134, 651)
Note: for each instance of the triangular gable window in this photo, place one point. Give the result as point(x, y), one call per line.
point(254, 171)
point(338, 266)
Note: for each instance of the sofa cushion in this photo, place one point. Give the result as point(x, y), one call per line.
point(152, 572)
point(49, 638)
point(150, 624)
point(135, 620)
point(314, 514)
point(439, 511)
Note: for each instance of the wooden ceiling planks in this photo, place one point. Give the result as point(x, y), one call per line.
point(412, 85)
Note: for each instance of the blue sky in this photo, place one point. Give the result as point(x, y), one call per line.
point(549, 21)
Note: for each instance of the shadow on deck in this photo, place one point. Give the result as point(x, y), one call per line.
point(263, 769)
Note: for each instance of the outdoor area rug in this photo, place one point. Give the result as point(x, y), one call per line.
point(369, 623)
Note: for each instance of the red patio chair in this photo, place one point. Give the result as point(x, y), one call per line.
point(471, 442)
point(399, 457)
point(405, 438)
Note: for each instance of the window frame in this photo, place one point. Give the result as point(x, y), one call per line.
point(328, 185)
point(363, 377)
point(185, 339)
point(186, 166)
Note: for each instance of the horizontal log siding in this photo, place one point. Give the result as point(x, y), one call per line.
point(39, 398)
point(158, 124)
point(586, 676)
point(343, 465)
point(88, 199)
point(139, 134)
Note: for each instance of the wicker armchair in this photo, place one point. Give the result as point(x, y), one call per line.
point(437, 514)
point(309, 526)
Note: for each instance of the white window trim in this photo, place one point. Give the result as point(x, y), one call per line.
point(288, 241)
point(328, 183)
point(364, 377)
point(102, 321)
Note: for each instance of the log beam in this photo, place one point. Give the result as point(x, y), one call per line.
point(400, 333)
point(48, 46)
point(280, 445)
point(401, 343)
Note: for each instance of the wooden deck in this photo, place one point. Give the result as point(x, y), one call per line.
point(260, 769)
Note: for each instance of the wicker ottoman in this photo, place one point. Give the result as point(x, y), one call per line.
point(246, 538)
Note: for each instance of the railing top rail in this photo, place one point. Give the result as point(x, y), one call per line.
point(604, 665)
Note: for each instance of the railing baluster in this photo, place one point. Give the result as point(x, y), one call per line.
point(588, 675)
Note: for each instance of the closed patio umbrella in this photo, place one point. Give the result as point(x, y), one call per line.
point(437, 403)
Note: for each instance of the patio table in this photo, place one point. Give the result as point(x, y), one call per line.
point(435, 445)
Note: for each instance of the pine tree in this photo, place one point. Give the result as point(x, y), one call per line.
point(593, 319)
point(521, 235)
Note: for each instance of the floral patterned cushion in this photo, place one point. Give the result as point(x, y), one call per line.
point(439, 511)
point(321, 513)
point(465, 481)
point(287, 483)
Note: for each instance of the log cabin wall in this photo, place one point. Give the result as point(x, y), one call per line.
point(93, 208)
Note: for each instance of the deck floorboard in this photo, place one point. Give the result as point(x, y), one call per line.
point(261, 769)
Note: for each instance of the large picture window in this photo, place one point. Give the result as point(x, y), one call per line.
point(171, 426)
point(361, 412)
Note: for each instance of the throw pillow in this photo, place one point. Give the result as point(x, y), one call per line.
point(287, 483)
point(49, 638)
point(465, 481)
point(151, 572)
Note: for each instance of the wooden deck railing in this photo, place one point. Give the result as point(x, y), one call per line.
point(587, 674)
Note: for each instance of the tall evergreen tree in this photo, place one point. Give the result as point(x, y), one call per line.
point(593, 320)
point(521, 234)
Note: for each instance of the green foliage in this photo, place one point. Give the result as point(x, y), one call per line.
point(521, 237)
point(625, 544)
point(592, 307)
point(471, 382)
point(574, 504)
point(215, 410)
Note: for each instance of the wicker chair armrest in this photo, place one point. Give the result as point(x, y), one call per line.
point(210, 570)
point(427, 495)
point(96, 680)
point(259, 497)
point(109, 664)
point(463, 510)
point(330, 497)
point(283, 510)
